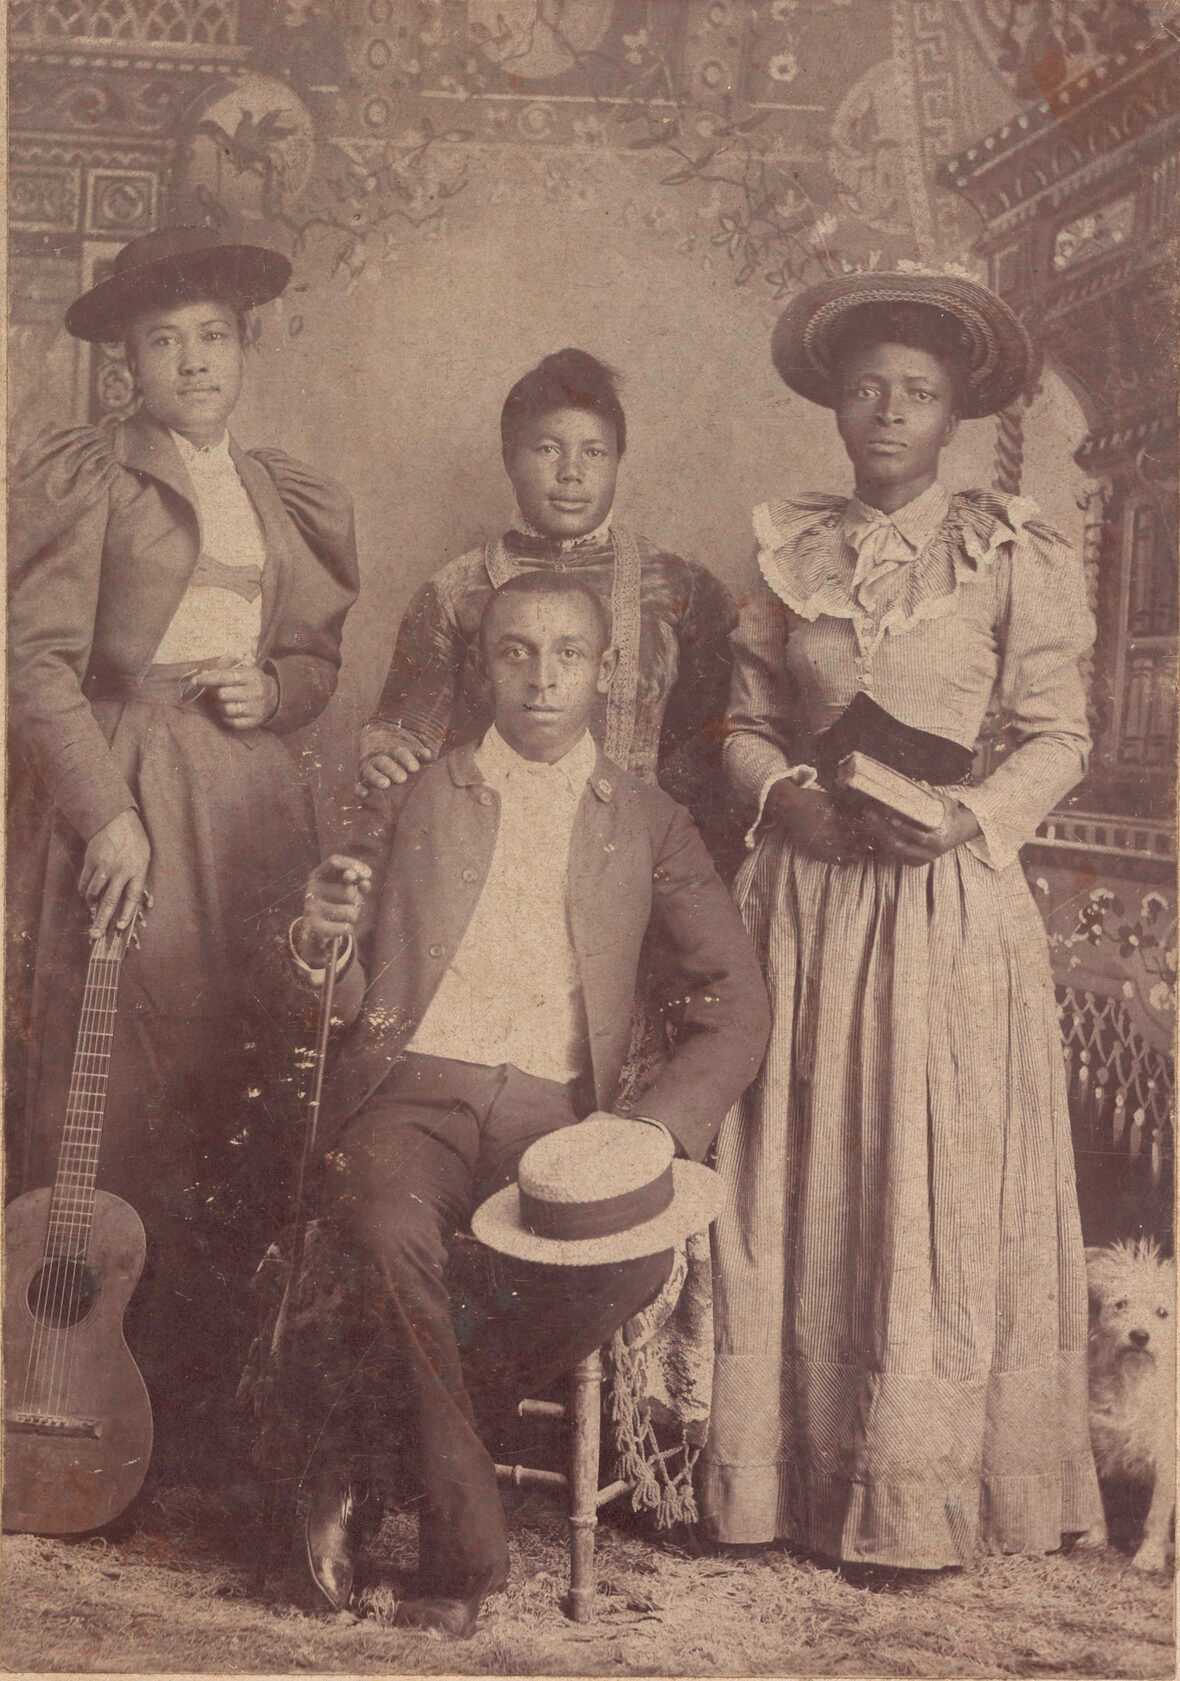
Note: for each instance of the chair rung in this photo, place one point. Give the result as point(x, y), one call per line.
point(612, 1491)
point(521, 1476)
point(541, 1409)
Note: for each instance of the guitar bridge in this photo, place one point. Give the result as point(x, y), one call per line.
point(51, 1424)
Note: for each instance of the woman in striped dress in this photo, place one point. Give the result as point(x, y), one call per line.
point(900, 1294)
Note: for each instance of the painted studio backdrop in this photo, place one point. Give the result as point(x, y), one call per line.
point(464, 185)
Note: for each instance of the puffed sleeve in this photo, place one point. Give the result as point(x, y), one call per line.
point(58, 507)
point(305, 653)
point(694, 717)
point(761, 705)
point(418, 699)
point(1045, 629)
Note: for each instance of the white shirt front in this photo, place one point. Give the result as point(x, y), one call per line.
point(218, 616)
point(512, 992)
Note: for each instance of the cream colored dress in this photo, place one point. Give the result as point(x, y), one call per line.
point(900, 1295)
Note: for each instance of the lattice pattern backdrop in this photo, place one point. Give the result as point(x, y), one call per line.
point(174, 21)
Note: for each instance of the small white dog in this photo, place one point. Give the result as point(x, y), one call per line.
point(1133, 1382)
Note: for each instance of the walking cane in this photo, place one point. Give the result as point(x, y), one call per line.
point(276, 1354)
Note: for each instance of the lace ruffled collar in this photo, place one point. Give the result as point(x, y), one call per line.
point(806, 561)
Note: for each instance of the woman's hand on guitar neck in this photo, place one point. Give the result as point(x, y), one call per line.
point(114, 873)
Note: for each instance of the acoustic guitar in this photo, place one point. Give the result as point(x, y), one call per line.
point(77, 1418)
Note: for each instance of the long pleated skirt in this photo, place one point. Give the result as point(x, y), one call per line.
point(899, 1286)
point(201, 1129)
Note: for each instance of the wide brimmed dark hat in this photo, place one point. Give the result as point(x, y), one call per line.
point(999, 353)
point(169, 266)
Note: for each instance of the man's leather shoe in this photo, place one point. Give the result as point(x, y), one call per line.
point(456, 1617)
point(340, 1518)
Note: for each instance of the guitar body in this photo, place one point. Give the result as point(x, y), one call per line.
point(78, 1422)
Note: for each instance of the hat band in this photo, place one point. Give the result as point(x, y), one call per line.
point(604, 1218)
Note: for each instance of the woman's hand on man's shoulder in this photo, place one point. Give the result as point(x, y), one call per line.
point(396, 759)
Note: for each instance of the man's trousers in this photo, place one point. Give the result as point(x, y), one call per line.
point(410, 1167)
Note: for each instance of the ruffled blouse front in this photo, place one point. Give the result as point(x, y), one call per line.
point(953, 602)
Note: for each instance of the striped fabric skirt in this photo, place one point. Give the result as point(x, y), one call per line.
point(899, 1286)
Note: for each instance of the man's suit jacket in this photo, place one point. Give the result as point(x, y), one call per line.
point(104, 537)
point(636, 860)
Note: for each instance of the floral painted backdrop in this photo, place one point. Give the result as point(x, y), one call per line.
point(464, 184)
point(793, 137)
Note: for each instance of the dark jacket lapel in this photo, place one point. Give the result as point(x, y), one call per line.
point(147, 447)
point(609, 898)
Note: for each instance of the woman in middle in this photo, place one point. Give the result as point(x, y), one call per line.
point(563, 433)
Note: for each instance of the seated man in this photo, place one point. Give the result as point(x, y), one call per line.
point(498, 904)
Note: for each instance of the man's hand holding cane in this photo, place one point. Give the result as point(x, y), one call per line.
point(332, 907)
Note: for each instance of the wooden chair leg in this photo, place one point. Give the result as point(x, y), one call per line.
point(586, 1446)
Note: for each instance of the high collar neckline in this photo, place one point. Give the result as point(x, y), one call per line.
point(203, 455)
point(498, 760)
point(562, 545)
point(915, 521)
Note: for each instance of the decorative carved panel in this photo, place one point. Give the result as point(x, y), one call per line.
point(188, 22)
point(44, 198)
point(1080, 198)
point(122, 201)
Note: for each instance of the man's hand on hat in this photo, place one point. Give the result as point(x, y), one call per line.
point(332, 904)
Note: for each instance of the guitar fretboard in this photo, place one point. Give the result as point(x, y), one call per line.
point(71, 1209)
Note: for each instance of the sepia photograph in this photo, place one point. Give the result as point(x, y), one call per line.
point(590, 837)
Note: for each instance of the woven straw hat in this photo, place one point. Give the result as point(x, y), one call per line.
point(605, 1190)
point(999, 351)
point(163, 267)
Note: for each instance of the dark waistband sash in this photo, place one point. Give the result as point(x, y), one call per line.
point(160, 685)
point(603, 1218)
point(865, 727)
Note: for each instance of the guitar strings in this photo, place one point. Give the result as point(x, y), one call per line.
point(82, 1205)
point(73, 1223)
point(90, 1101)
point(51, 1281)
point(71, 1207)
point(52, 1300)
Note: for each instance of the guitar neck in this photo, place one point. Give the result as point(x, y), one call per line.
point(71, 1209)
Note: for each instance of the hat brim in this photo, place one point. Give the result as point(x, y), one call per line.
point(243, 275)
point(696, 1201)
point(1001, 358)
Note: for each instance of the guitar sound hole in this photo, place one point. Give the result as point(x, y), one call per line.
point(62, 1292)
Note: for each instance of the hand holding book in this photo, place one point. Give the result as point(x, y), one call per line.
point(904, 820)
point(870, 779)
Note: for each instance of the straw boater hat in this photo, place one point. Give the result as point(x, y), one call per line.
point(998, 351)
point(169, 267)
point(605, 1190)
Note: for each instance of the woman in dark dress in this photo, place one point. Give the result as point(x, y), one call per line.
point(563, 436)
point(175, 608)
